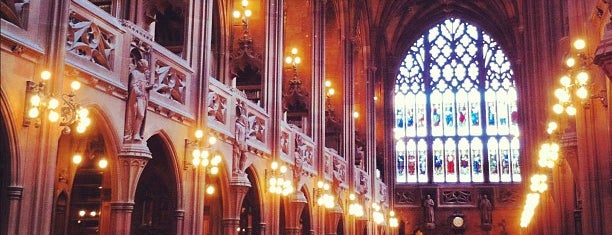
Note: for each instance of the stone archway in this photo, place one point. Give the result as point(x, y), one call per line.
point(156, 198)
point(5, 175)
point(250, 212)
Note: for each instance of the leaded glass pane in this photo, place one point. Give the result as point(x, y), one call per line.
point(464, 160)
point(516, 169)
point(477, 171)
point(504, 158)
point(400, 148)
point(411, 157)
point(451, 160)
point(493, 149)
point(438, 156)
point(422, 148)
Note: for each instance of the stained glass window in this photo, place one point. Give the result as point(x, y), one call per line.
point(455, 109)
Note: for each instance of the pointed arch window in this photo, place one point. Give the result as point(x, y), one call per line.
point(455, 109)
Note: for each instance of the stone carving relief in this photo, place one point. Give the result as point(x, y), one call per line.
point(362, 183)
point(507, 196)
point(285, 142)
point(15, 11)
point(456, 197)
point(170, 82)
point(339, 170)
point(89, 41)
point(328, 165)
point(216, 106)
point(405, 197)
point(257, 127)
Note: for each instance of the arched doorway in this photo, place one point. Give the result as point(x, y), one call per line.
point(305, 218)
point(213, 208)
point(340, 227)
point(5, 174)
point(86, 158)
point(156, 193)
point(250, 212)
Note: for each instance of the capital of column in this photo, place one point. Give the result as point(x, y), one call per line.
point(135, 150)
point(122, 206)
point(14, 192)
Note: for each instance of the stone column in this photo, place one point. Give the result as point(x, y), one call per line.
point(15, 193)
point(294, 212)
point(131, 162)
point(239, 185)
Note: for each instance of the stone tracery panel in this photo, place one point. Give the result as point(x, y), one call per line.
point(216, 107)
point(87, 40)
point(170, 83)
point(456, 197)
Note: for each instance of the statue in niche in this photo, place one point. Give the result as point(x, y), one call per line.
point(241, 133)
point(429, 210)
point(485, 210)
point(138, 99)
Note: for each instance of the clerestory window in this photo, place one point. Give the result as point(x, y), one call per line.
point(455, 109)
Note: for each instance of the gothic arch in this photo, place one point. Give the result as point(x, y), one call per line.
point(11, 178)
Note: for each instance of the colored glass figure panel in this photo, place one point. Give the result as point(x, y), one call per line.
point(504, 158)
point(400, 149)
point(438, 161)
point(451, 160)
point(493, 149)
point(464, 160)
point(422, 167)
point(411, 158)
point(449, 114)
point(476, 153)
point(516, 168)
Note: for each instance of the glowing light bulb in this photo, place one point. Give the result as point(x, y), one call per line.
point(33, 112)
point(283, 169)
point(212, 140)
point(297, 60)
point(214, 170)
point(294, 51)
point(75, 85)
point(53, 116)
point(195, 161)
point(245, 3)
point(579, 44)
point(77, 159)
point(331, 91)
point(274, 165)
point(566, 81)
point(570, 62)
point(236, 14)
point(35, 100)
point(199, 134)
point(557, 108)
point(248, 13)
point(53, 103)
point(355, 114)
point(45, 75)
point(288, 60)
point(210, 190)
point(81, 128)
point(82, 213)
point(196, 153)
point(103, 163)
point(327, 83)
point(582, 93)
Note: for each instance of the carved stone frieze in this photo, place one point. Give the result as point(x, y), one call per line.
point(456, 197)
point(285, 142)
point(407, 197)
point(257, 127)
point(87, 40)
point(339, 170)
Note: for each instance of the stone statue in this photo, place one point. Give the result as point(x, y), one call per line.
point(429, 210)
point(241, 133)
point(485, 210)
point(138, 98)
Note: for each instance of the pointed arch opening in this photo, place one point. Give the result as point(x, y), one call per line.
point(456, 109)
